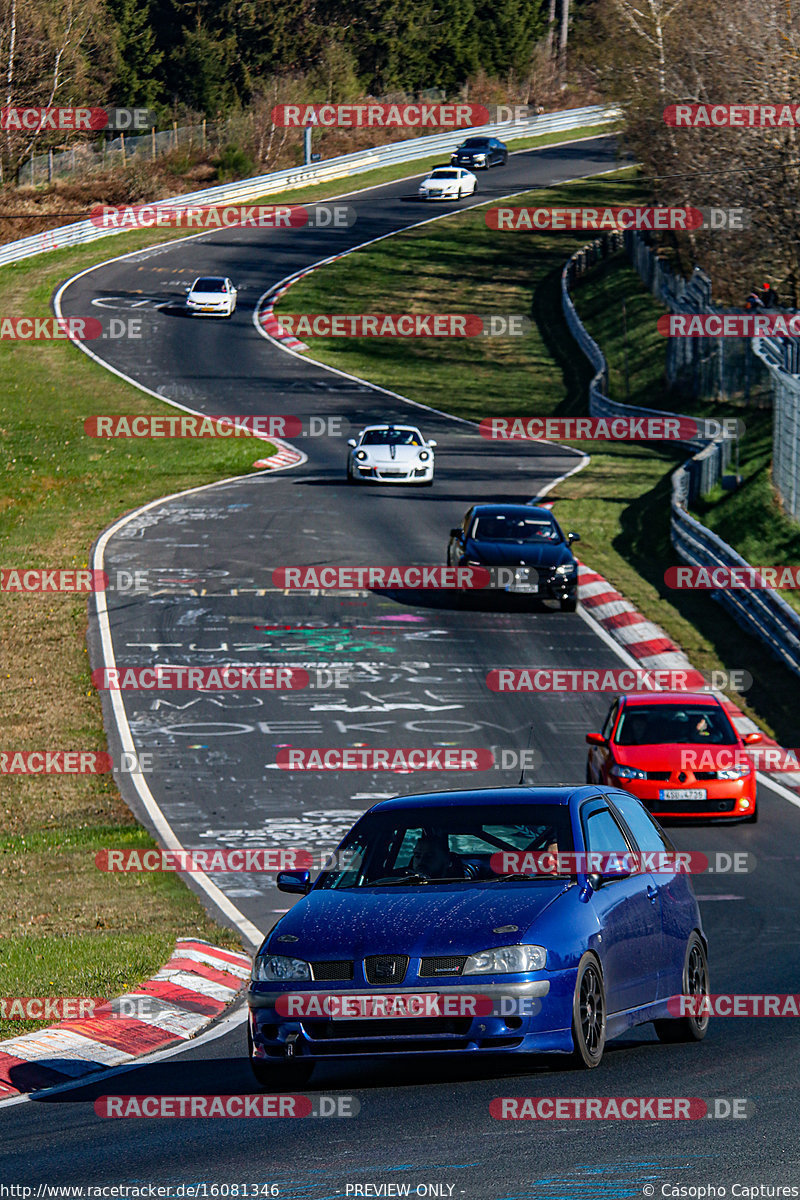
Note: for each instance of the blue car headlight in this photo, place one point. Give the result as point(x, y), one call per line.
point(628, 772)
point(567, 569)
point(506, 960)
point(280, 968)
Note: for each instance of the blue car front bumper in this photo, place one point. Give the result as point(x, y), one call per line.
point(528, 1016)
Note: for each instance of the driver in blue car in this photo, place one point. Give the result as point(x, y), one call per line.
point(432, 857)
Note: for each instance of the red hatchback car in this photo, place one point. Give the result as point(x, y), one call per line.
point(679, 753)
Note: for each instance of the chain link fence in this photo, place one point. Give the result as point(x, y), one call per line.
point(711, 458)
point(712, 367)
point(781, 357)
point(147, 147)
point(763, 614)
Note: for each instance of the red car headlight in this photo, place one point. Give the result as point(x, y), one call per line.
point(628, 772)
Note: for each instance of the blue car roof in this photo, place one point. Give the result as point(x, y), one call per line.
point(483, 797)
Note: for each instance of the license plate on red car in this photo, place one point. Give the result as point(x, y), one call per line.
point(682, 794)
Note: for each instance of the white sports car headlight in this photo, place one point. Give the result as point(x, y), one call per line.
point(423, 456)
point(280, 968)
point(361, 455)
point(506, 960)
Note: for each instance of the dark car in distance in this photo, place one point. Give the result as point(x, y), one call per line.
point(480, 153)
point(526, 538)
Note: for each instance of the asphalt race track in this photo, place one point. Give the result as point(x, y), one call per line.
point(417, 678)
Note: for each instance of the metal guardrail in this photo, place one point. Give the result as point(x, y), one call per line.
point(712, 455)
point(346, 165)
point(762, 613)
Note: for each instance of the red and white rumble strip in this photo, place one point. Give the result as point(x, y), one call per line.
point(651, 647)
point(187, 993)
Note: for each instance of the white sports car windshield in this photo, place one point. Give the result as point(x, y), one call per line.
point(395, 437)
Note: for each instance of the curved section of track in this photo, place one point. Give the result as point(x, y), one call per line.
point(418, 679)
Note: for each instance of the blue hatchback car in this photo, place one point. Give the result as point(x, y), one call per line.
point(420, 941)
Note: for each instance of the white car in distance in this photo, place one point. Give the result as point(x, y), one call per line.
point(211, 295)
point(448, 183)
point(390, 454)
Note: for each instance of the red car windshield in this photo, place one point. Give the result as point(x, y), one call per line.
point(660, 724)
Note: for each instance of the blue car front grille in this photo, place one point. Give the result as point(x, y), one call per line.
point(385, 968)
point(334, 969)
point(443, 964)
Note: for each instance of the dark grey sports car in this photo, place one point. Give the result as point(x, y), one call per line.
point(479, 153)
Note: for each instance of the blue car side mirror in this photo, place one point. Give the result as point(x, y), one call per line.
point(298, 883)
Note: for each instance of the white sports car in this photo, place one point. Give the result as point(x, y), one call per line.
point(390, 454)
point(212, 295)
point(448, 183)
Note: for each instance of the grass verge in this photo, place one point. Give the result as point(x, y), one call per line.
point(65, 927)
point(620, 502)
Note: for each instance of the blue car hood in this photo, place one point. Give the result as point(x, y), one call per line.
point(430, 920)
point(535, 554)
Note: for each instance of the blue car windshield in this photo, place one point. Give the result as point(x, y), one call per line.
point(501, 527)
point(447, 844)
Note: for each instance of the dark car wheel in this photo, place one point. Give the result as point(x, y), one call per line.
point(695, 983)
point(589, 1013)
point(283, 1074)
point(570, 604)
